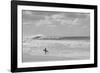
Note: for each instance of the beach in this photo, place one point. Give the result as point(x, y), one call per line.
point(57, 50)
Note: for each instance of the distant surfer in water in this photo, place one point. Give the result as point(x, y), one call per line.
point(45, 50)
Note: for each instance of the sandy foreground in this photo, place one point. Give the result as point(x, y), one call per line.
point(57, 50)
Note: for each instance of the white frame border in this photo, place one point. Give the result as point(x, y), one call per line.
point(53, 63)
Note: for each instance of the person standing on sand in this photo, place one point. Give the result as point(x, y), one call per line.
point(45, 50)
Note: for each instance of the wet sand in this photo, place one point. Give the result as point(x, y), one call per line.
point(30, 58)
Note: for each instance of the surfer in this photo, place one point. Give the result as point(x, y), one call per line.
point(45, 50)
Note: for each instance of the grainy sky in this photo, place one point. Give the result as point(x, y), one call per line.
point(55, 23)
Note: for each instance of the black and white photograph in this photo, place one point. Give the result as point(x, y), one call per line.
point(53, 36)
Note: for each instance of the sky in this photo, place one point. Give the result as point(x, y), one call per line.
point(52, 23)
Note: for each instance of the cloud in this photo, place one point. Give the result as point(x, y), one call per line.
point(54, 20)
point(56, 23)
point(75, 21)
point(42, 22)
point(58, 17)
point(27, 12)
